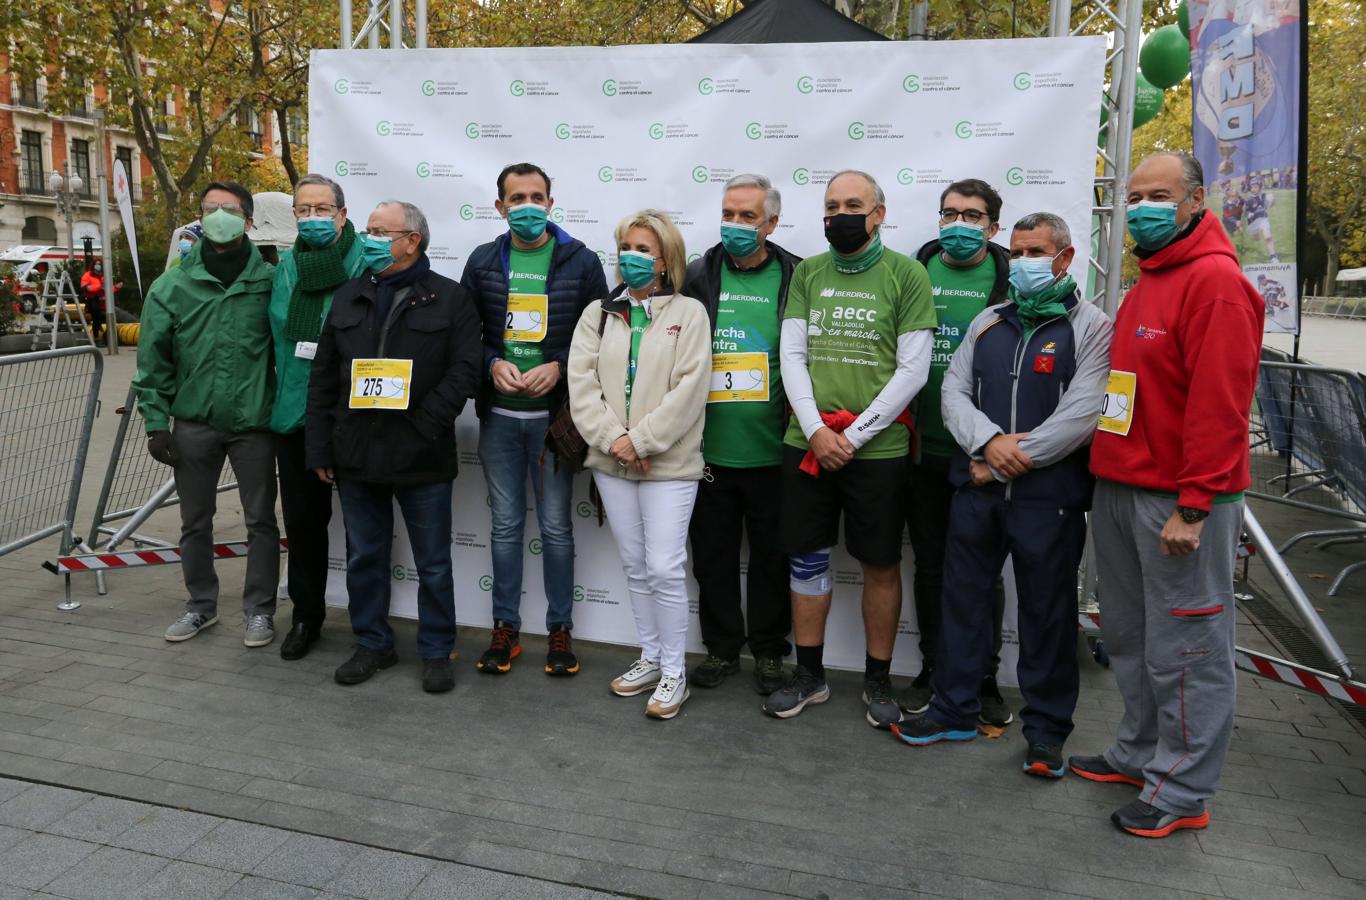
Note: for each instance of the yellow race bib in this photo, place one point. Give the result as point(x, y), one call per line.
point(738, 378)
point(527, 318)
point(1117, 410)
point(380, 383)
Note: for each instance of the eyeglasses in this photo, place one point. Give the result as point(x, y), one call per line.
point(317, 209)
point(378, 231)
point(971, 216)
point(233, 208)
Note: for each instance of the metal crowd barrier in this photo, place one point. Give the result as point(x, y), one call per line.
point(50, 398)
point(1309, 448)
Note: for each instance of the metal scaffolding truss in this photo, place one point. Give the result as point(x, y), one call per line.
point(1112, 158)
point(383, 17)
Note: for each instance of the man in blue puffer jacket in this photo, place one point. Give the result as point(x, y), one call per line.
point(1020, 399)
point(531, 284)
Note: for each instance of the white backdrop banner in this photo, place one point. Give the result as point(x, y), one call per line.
point(622, 128)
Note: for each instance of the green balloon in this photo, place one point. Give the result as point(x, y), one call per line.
point(1183, 19)
point(1147, 101)
point(1165, 58)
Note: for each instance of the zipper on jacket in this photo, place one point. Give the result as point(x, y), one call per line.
point(1021, 349)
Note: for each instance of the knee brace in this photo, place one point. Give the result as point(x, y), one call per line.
point(809, 573)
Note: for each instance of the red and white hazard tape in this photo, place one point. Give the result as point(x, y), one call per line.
point(128, 559)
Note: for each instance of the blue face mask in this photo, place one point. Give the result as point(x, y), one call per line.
point(1029, 275)
point(962, 241)
point(377, 252)
point(318, 231)
point(637, 269)
point(185, 245)
point(739, 240)
point(1152, 223)
point(527, 221)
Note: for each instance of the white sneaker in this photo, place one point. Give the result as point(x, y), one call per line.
point(668, 697)
point(638, 679)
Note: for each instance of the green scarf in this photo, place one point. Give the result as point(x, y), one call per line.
point(861, 262)
point(226, 266)
point(1046, 304)
point(321, 271)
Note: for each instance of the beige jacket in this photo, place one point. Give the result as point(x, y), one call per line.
point(668, 398)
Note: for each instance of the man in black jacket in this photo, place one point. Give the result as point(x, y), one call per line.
point(530, 283)
point(743, 283)
point(396, 361)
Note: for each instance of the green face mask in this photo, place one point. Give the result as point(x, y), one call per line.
point(222, 227)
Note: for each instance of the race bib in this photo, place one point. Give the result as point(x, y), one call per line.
point(380, 383)
point(526, 318)
point(1117, 410)
point(738, 378)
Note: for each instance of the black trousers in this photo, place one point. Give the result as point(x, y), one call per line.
point(929, 497)
point(307, 504)
point(732, 498)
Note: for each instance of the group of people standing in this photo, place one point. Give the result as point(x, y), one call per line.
point(966, 392)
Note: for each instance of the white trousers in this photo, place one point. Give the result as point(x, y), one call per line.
point(649, 520)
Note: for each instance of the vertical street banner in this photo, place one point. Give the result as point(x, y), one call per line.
point(1247, 71)
point(124, 197)
point(619, 129)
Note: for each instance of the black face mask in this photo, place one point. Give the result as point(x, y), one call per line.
point(846, 232)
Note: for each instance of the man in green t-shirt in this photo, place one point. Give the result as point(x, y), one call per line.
point(743, 282)
point(856, 341)
point(968, 273)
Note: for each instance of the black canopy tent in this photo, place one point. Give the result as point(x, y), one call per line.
point(786, 21)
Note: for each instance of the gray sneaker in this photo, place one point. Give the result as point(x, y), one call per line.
point(188, 625)
point(883, 711)
point(802, 688)
point(258, 631)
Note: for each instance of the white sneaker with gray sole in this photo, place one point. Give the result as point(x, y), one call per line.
point(188, 625)
point(258, 631)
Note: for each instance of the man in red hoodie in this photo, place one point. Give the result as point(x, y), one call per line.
point(1171, 456)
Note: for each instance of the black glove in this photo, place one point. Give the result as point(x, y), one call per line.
point(162, 448)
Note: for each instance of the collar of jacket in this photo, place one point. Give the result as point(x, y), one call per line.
point(1011, 313)
point(192, 266)
point(562, 239)
point(709, 288)
point(618, 304)
point(420, 294)
point(999, 254)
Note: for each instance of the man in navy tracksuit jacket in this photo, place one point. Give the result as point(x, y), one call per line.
point(531, 284)
point(1020, 400)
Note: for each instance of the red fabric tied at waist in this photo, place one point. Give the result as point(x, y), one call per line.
point(837, 422)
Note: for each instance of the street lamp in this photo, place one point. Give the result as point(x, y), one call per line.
point(67, 191)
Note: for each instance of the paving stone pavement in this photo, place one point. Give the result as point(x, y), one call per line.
point(555, 779)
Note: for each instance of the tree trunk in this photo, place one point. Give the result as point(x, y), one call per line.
point(286, 153)
point(1330, 273)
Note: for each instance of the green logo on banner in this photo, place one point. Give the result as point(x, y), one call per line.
point(341, 168)
point(472, 130)
point(557, 215)
point(705, 86)
point(534, 545)
point(382, 128)
point(1023, 81)
point(424, 169)
point(605, 174)
point(609, 87)
point(429, 88)
point(856, 131)
point(585, 509)
point(562, 131)
point(963, 129)
point(467, 213)
point(579, 593)
point(517, 88)
point(1015, 175)
point(485, 582)
point(657, 131)
point(399, 573)
point(910, 84)
point(801, 175)
point(905, 176)
point(693, 257)
point(602, 258)
point(341, 85)
point(806, 84)
point(754, 131)
point(700, 174)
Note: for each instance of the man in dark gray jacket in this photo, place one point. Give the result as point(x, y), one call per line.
point(1020, 400)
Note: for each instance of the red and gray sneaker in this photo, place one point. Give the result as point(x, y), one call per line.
point(559, 655)
point(1148, 821)
point(504, 647)
point(1096, 768)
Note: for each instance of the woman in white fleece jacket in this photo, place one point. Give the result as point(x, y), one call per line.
point(639, 372)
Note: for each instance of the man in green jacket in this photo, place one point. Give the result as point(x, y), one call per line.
point(204, 360)
point(326, 255)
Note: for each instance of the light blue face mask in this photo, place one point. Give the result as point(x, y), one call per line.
point(637, 269)
point(1152, 223)
point(377, 252)
point(318, 231)
point(185, 246)
point(527, 221)
point(1029, 275)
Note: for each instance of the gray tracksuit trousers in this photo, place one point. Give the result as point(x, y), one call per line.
point(1168, 623)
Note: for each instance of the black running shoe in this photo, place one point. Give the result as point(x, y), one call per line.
point(1150, 822)
point(768, 674)
point(713, 670)
point(1044, 760)
point(801, 689)
point(1096, 768)
point(559, 655)
point(877, 695)
point(994, 709)
point(438, 676)
point(504, 646)
point(363, 664)
point(916, 699)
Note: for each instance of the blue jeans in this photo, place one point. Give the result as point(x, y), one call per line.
point(368, 511)
point(508, 449)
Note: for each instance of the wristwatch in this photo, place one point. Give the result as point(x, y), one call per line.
point(1190, 515)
